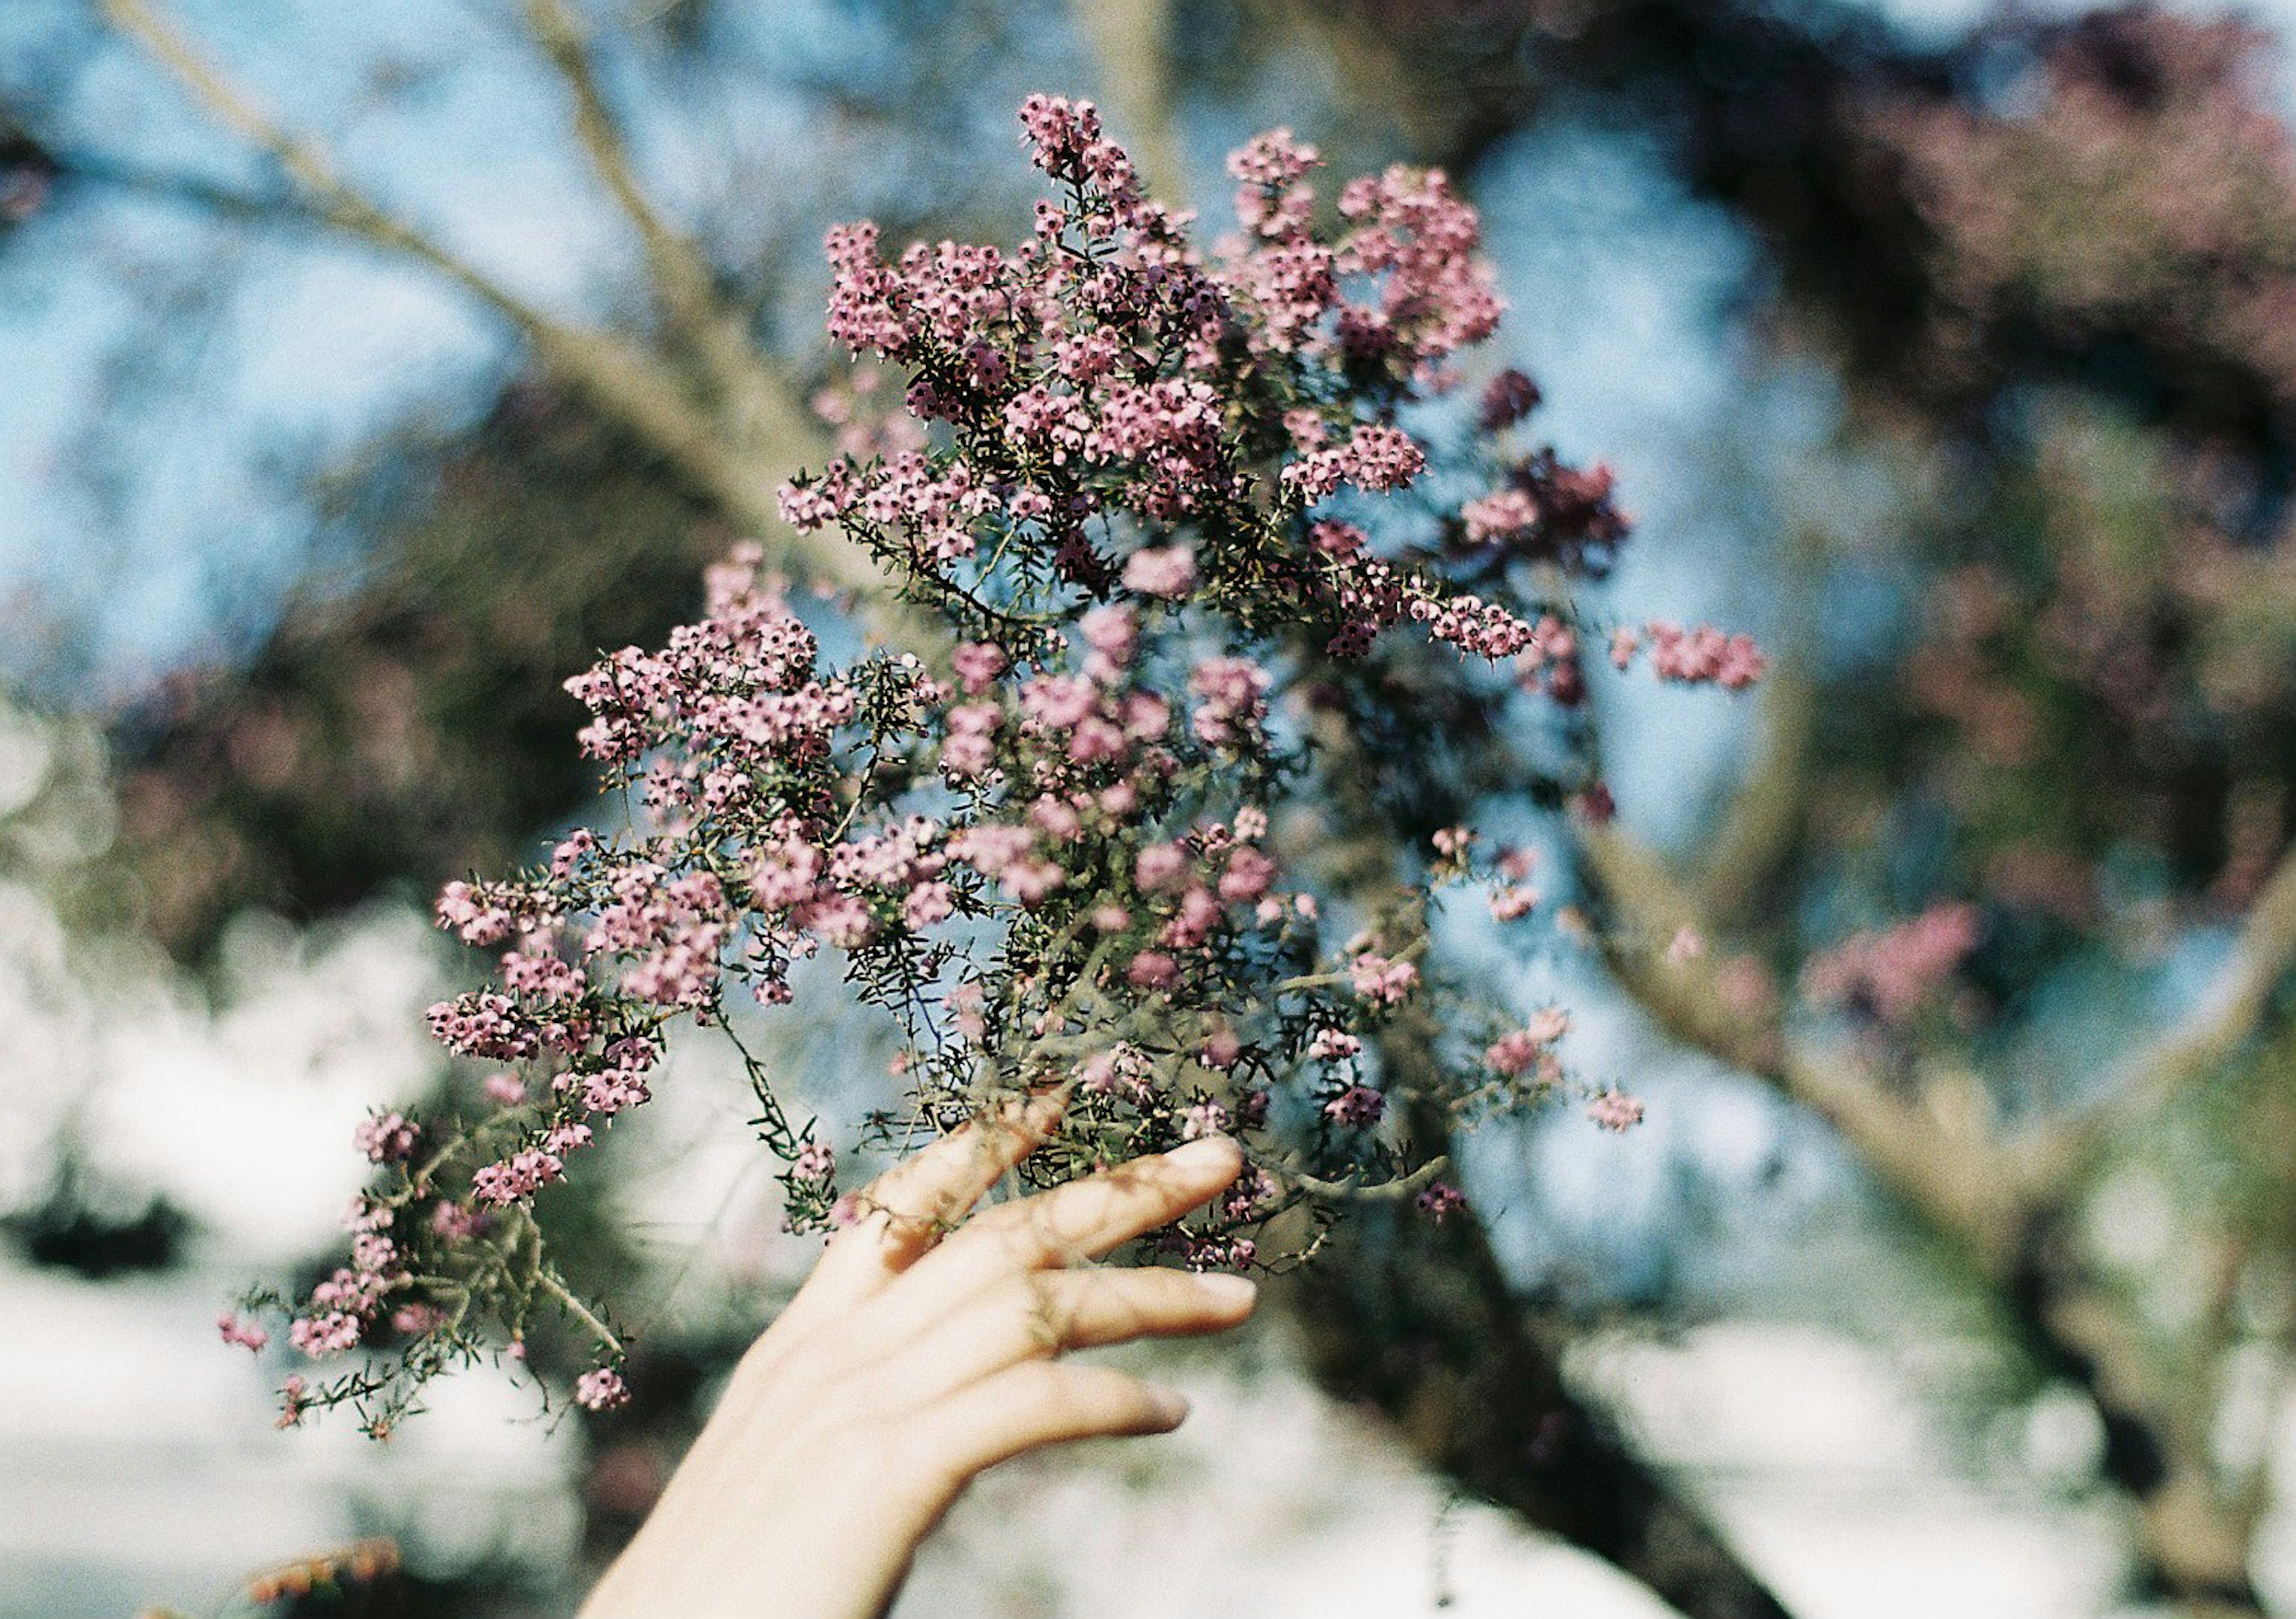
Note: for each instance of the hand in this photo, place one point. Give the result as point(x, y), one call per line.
point(910, 1361)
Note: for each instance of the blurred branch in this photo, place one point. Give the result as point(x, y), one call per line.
point(1765, 813)
point(682, 278)
point(1421, 1319)
point(2005, 1204)
point(2226, 1016)
point(189, 191)
point(1130, 39)
point(1928, 1159)
point(336, 202)
point(737, 450)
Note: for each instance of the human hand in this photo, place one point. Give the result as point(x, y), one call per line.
point(911, 1361)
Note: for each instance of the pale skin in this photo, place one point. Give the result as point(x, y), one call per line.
point(923, 1348)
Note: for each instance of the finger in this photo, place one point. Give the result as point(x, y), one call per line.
point(1087, 1218)
point(1039, 1314)
point(905, 1210)
point(1036, 1403)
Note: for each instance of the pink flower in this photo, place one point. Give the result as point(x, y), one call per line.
point(412, 1321)
point(246, 1335)
point(1031, 882)
point(1891, 974)
point(1146, 716)
point(1198, 915)
point(1112, 631)
point(1615, 1110)
point(1512, 903)
point(1057, 702)
point(329, 1333)
point(1233, 691)
point(1167, 571)
point(474, 915)
point(1153, 969)
point(1704, 654)
point(928, 904)
point(1381, 981)
point(1505, 516)
point(978, 663)
point(1249, 872)
point(1355, 1106)
point(1440, 1201)
point(601, 1388)
point(1203, 1119)
point(387, 1139)
point(1159, 865)
point(517, 1177)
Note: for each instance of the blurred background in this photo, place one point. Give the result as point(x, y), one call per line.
point(364, 370)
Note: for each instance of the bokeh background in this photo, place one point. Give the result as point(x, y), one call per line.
point(363, 369)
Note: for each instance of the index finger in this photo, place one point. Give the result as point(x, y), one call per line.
point(905, 1211)
point(1087, 1219)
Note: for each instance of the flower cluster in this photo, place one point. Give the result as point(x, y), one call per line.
point(1068, 839)
point(1890, 976)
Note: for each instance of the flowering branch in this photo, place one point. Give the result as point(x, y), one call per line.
point(1126, 479)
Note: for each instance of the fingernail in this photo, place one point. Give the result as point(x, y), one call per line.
point(1233, 1292)
point(1205, 1152)
point(1171, 1405)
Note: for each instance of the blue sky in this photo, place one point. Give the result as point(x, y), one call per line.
point(442, 108)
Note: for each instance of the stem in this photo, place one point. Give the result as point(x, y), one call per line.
point(558, 1291)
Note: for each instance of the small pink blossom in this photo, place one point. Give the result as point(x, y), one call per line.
point(1356, 1107)
point(246, 1335)
point(387, 1138)
point(978, 663)
point(1153, 969)
point(601, 1388)
point(1615, 1110)
point(1168, 571)
point(1381, 981)
point(1160, 865)
point(1440, 1200)
point(1512, 903)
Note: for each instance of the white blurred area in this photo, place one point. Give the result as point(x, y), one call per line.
point(139, 1465)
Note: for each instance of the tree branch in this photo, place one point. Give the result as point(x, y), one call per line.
point(1129, 39)
point(1931, 1160)
point(2226, 1016)
point(334, 201)
point(2007, 1205)
point(681, 280)
point(736, 450)
point(1421, 1320)
point(1765, 814)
